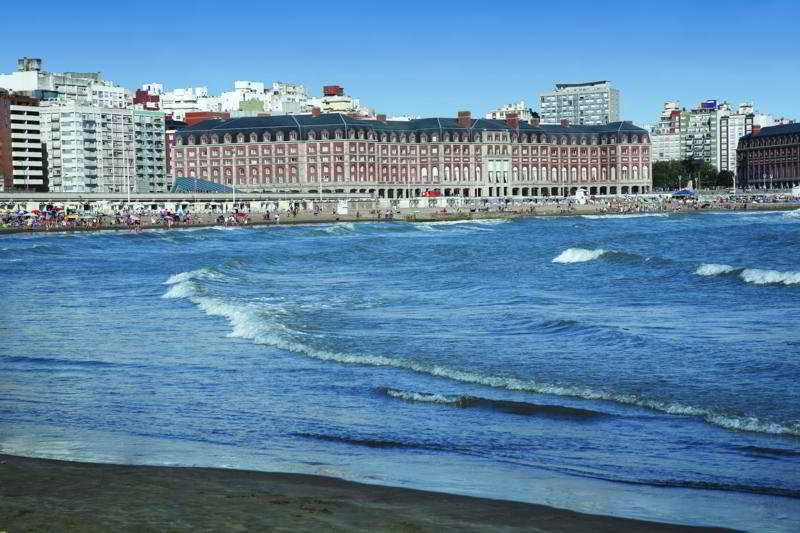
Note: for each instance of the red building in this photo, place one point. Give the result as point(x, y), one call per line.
point(769, 158)
point(148, 101)
point(332, 90)
point(407, 159)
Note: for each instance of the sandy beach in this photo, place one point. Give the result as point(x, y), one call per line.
point(49, 495)
point(417, 215)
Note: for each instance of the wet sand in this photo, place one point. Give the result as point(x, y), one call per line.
point(49, 495)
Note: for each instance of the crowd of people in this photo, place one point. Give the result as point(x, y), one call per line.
point(54, 218)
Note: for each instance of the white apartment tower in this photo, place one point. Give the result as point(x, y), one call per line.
point(83, 88)
point(91, 149)
point(26, 146)
point(580, 103)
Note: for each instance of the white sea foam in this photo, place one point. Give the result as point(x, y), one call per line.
point(713, 269)
point(423, 397)
point(764, 277)
point(261, 324)
point(341, 227)
point(202, 273)
point(626, 215)
point(226, 228)
point(793, 214)
point(182, 289)
point(578, 255)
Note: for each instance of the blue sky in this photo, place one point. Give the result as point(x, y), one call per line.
point(429, 58)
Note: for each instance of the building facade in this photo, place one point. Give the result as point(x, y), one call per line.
point(22, 163)
point(452, 157)
point(519, 109)
point(580, 103)
point(769, 158)
point(83, 88)
point(178, 102)
point(92, 149)
point(6, 168)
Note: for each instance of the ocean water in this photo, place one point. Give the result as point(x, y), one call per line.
point(637, 366)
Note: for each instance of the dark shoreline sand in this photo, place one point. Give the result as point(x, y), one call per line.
point(50, 495)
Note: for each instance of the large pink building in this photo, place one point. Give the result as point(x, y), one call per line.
point(452, 156)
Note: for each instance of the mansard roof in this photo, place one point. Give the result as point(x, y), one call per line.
point(333, 121)
point(781, 129)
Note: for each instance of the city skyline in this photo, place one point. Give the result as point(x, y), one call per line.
point(437, 63)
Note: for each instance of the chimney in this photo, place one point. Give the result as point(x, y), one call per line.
point(380, 118)
point(464, 119)
point(315, 111)
point(564, 122)
point(756, 130)
point(512, 120)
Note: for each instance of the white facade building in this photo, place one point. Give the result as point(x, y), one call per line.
point(287, 99)
point(179, 101)
point(580, 103)
point(242, 91)
point(665, 136)
point(26, 146)
point(91, 149)
point(83, 88)
point(522, 111)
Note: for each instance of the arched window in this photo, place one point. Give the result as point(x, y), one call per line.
point(584, 173)
point(525, 173)
point(515, 174)
point(240, 138)
point(424, 173)
point(267, 137)
point(466, 172)
point(624, 172)
point(635, 171)
point(564, 174)
point(456, 173)
point(645, 172)
point(554, 174)
point(311, 136)
point(435, 173)
point(613, 173)
point(574, 174)
point(594, 173)
point(446, 173)
point(535, 173)
point(228, 138)
point(253, 138)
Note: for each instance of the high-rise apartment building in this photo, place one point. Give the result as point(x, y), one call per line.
point(580, 103)
point(709, 132)
point(91, 149)
point(82, 88)
point(21, 158)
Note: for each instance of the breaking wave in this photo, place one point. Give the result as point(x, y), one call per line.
point(793, 214)
point(503, 406)
point(260, 324)
point(764, 277)
point(756, 276)
point(713, 269)
point(578, 255)
point(339, 228)
point(202, 273)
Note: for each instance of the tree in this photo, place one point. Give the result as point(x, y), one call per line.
point(666, 175)
point(724, 179)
